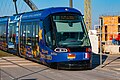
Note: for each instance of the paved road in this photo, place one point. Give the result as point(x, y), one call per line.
point(16, 68)
point(112, 63)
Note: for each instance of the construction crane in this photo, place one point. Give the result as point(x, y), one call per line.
point(87, 14)
point(29, 3)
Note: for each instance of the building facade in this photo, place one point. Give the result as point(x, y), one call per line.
point(110, 27)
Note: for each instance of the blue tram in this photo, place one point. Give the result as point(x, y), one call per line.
point(52, 36)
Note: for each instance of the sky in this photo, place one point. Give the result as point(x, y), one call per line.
point(99, 7)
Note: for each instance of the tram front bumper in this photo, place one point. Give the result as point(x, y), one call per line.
point(85, 64)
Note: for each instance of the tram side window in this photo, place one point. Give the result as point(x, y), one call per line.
point(12, 33)
point(25, 34)
point(21, 34)
point(35, 35)
point(48, 32)
point(2, 32)
point(34, 28)
point(37, 30)
point(28, 34)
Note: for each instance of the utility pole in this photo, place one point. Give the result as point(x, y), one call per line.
point(71, 3)
point(100, 41)
point(87, 13)
point(15, 6)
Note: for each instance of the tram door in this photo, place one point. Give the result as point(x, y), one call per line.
point(26, 39)
point(29, 39)
point(13, 34)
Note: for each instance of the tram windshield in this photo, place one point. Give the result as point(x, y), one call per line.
point(68, 30)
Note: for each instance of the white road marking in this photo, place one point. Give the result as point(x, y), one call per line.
point(16, 60)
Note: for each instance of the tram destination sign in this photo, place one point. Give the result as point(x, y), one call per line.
point(66, 17)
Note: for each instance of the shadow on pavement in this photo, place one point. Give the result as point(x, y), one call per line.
point(110, 62)
point(96, 60)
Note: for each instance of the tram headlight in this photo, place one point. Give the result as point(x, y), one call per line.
point(61, 50)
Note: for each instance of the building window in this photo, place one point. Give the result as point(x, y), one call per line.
point(119, 28)
point(118, 19)
point(106, 33)
point(101, 21)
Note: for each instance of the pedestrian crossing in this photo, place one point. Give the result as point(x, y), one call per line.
point(15, 62)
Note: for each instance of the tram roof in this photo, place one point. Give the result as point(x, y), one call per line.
point(41, 14)
point(4, 19)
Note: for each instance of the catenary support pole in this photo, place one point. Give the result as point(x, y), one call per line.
point(71, 3)
point(15, 6)
point(100, 41)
